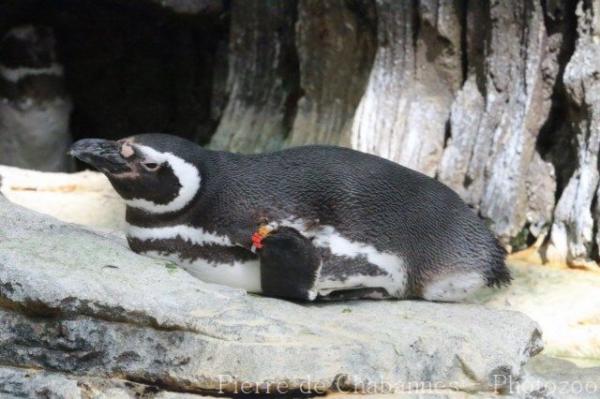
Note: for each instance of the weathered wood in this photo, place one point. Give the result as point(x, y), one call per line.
point(492, 159)
point(416, 73)
point(263, 80)
point(336, 45)
point(540, 183)
point(471, 92)
point(572, 236)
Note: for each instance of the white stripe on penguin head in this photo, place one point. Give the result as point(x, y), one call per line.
point(187, 174)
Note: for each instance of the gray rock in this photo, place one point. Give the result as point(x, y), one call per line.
point(39, 384)
point(545, 378)
point(550, 378)
point(78, 301)
point(465, 118)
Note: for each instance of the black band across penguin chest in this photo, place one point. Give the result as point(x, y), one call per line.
point(191, 252)
point(214, 256)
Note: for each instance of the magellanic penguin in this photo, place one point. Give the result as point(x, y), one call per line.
point(34, 105)
point(357, 223)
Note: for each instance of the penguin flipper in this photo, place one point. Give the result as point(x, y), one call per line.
point(289, 265)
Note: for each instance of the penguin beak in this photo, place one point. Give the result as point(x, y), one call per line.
point(103, 155)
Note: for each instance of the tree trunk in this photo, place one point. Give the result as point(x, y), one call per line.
point(263, 76)
point(492, 98)
point(572, 237)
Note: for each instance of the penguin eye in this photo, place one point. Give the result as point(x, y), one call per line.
point(151, 166)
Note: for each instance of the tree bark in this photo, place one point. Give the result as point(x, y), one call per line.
point(518, 75)
point(336, 45)
point(416, 73)
point(263, 77)
point(574, 235)
point(492, 98)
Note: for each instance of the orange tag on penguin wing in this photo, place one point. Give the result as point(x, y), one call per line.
point(259, 235)
point(257, 240)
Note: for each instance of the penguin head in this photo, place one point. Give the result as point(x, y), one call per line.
point(153, 172)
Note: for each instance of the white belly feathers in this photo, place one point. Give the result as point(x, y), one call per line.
point(239, 274)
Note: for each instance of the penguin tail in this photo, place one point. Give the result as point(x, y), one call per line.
point(498, 274)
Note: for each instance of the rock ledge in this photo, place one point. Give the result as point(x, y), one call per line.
point(77, 301)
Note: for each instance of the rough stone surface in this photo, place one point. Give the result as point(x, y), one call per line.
point(540, 184)
point(34, 384)
point(545, 378)
point(75, 300)
point(549, 378)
